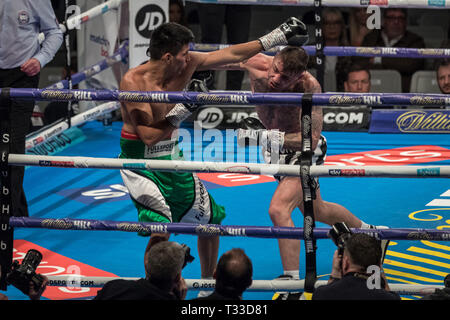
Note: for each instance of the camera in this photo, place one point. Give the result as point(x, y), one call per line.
point(187, 251)
point(187, 255)
point(21, 275)
point(339, 233)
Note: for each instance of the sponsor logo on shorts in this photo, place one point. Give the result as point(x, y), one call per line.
point(162, 148)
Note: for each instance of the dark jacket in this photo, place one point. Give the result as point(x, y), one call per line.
point(406, 66)
point(438, 294)
point(351, 287)
point(140, 289)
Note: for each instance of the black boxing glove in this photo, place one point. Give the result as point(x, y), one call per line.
point(292, 32)
point(181, 111)
point(252, 123)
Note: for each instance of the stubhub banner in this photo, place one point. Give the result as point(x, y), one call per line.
point(410, 121)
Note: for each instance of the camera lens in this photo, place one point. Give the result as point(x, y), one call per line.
point(32, 259)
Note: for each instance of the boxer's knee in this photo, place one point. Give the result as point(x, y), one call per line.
point(279, 215)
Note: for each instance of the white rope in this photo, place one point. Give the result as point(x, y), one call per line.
point(77, 281)
point(75, 21)
point(339, 3)
point(89, 115)
point(229, 167)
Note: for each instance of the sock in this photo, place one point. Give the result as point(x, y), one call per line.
point(295, 274)
point(364, 225)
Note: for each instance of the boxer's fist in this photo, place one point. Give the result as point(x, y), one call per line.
point(195, 85)
point(251, 123)
point(181, 111)
point(292, 32)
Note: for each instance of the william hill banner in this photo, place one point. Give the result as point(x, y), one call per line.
point(410, 121)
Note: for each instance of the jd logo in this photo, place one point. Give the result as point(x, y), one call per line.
point(210, 117)
point(148, 19)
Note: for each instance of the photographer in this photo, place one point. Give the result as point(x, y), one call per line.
point(440, 294)
point(349, 279)
point(164, 263)
point(24, 277)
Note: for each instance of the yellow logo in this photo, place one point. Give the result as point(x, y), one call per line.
point(421, 121)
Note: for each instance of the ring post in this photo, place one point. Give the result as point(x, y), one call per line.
point(308, 196)
point(6, 232)
point(320, 43)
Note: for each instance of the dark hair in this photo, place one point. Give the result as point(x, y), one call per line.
point(355, 67)
point(295, 59)
point(180, 5)
point(234, 272)
point(403, 10)
point(364, 250)
point(168, 38)
point(442, 63)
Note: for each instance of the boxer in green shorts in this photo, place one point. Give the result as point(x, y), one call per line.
point(178, 196)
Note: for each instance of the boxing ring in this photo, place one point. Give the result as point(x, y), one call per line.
point(67, 204)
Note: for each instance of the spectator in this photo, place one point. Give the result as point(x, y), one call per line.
point(233, 276)
point(357, 26)
point(334, 34)
point(394, 33)
point(236, 19)
point(177, 12)
point(165, 260)
point(21, 60)
point(357, 79)
point(443, 75)
point(349, 279)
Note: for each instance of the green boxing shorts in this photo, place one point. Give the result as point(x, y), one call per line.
point(166, 196)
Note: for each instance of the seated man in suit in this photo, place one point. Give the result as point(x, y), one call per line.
point(394, 33)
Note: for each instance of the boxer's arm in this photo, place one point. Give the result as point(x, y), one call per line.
point(231, 55)
point(291, 32)
point(141, 118)
point(259, 62)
